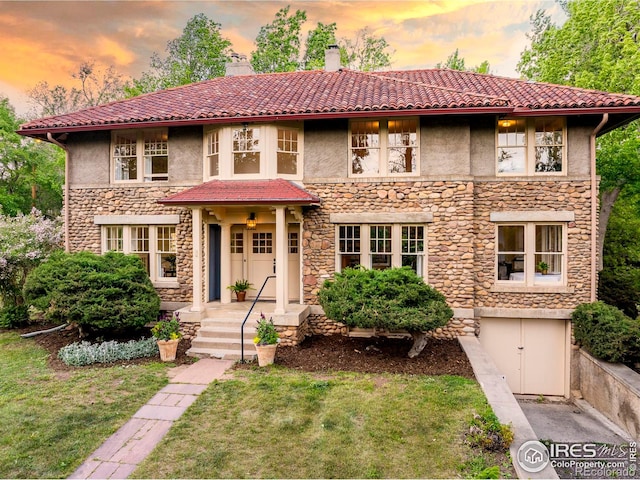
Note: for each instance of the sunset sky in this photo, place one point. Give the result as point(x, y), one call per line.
point(47, 41)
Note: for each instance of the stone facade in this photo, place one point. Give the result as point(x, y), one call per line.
point(85, 234)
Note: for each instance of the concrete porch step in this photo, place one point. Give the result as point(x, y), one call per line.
point(232, 333)
point(224, 354)
point(216, 343)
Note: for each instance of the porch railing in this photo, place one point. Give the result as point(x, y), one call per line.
point(247, 317)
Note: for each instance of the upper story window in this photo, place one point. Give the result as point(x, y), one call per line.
point(258, 151)
point(140, 156)
point(384, 147)
point(531, 146)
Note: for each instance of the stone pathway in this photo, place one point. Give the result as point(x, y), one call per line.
point(121, 453)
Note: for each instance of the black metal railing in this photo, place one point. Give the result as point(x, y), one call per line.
point(247, 317)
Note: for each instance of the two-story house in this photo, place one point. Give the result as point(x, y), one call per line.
point(485, 186)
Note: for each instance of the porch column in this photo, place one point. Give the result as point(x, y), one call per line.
point(225, 262)
point(282, 271)
point(196, 227)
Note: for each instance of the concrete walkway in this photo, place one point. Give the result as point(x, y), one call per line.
point(121, 453)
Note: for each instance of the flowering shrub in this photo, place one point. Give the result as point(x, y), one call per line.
point(266, 333)
point(85, 353)
point(25, 241)
point(167, 328)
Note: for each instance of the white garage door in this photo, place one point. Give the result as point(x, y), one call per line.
point(530, 352)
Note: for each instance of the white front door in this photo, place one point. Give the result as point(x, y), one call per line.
point(261, 260)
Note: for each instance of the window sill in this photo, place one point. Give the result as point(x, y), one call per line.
point(165, 284)
point(531, 289)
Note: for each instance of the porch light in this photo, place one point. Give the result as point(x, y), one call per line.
point(505, 123)
point(252, 221)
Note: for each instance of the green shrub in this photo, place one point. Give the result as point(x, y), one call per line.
point(395, 299)
point(488, 433)
point(108, 291)
point(85, 353)
point(607, 333)
point(13, 316)
point(620, 286)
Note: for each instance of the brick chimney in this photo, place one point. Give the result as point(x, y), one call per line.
point(239, 65)
point(332, 58)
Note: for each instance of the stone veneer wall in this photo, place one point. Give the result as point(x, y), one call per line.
point(533, 196)
point(84, 234)
point(460, 240)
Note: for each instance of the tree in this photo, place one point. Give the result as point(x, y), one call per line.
point(366, 52)
point(200, 53)
point(456, 62)
point(597, 48)
point(31, 172)
point(392, 299)
point(316, 45)
point(25, 241)
point(97, 85)
point(278, 43)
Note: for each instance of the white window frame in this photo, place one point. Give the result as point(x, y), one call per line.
point(531, 277)
point(366, 252)
point(530, 147)
point(155, 269)
point(268, 149)
point(144, 173)
point(384, 148)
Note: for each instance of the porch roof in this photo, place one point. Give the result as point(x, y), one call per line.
point(243, 192)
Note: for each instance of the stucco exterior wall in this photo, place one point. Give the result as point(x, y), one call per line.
point(185, 155)
point(326, 149)
point(89, 158)
point(445, 147)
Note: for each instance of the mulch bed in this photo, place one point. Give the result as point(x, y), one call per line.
point(315, 354)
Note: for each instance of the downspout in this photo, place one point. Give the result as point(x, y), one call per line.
point(594, 208)
point(66, 189)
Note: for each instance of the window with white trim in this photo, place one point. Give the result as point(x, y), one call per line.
point(384, 147)
point(140, 155)
point(246, 150)
point(157, 242)
point(531, 254)
point(382, 246)
point(254, 151)
point(531, 146)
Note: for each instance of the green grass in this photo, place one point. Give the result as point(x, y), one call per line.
point(277, 423)
point(52, 422)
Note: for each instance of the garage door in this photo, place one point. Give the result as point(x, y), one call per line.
point(530, 352)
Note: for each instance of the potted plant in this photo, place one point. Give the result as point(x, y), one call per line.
point(266, 341)
point(167, 334)
point(240, 288)
point(543, 267)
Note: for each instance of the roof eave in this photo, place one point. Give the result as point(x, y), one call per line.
point(201, 203)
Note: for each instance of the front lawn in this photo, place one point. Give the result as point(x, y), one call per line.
point(51, 421)
point(277, 423)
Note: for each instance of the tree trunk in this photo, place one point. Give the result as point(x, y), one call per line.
point(607, 200)
point(419, 342)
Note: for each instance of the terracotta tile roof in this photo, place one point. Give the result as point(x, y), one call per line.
point(343, 93)
point(243, 192)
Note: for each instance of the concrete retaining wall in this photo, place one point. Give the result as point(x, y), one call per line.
point(613, 389)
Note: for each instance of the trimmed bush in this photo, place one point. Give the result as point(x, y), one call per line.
point(110, 291)
point(606, 332)
point(85, 353)
point(394, 299)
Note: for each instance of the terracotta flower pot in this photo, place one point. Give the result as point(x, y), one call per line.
point(240, 296)
point(266, 354)
point(168, 349)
